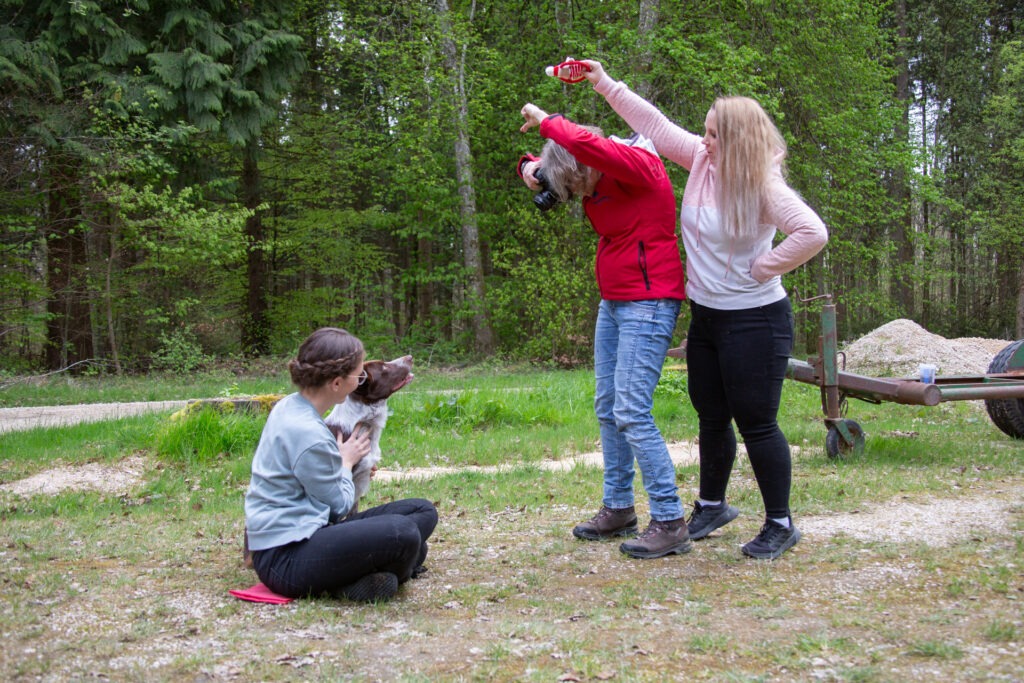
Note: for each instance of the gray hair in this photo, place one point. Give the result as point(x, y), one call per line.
point(562, 170)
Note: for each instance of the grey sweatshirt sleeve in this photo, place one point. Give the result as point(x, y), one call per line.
point(324, 478)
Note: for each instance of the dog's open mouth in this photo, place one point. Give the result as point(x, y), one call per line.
point(404, 382)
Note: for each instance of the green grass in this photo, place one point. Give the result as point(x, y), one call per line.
point(132, 585)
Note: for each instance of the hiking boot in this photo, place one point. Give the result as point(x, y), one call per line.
point(607, 523)
point(660, 539)
point(773, 540)
point(378, 587)
point(707, 518)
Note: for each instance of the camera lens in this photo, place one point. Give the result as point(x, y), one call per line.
point(545, 200)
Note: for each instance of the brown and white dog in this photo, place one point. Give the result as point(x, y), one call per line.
point(368, 406)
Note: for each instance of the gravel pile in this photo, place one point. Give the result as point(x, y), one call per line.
point(898, 347)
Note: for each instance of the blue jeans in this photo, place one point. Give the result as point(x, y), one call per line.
point(630, 342)
point(736, 362)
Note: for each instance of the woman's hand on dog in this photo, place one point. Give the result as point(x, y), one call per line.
point(355, 448)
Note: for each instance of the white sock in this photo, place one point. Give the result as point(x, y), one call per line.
point(708, 503)
point(784, 522)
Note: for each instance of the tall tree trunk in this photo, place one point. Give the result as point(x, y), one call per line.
point(563, 17)
point(900, 188)
point(425, 294)
point(255, 333)
point(931, 285)
point(483, 335)
point(648, 20)
point(68, 327)
point(108, 297)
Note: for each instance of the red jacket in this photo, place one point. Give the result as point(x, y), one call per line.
point(633, 210)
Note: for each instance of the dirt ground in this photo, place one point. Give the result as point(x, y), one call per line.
point(473, 617)
point(485, 609)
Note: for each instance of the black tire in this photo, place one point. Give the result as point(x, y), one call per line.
point(837, 447)
point(1007, 413)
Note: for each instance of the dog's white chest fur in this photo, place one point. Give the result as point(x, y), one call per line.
point(374, 416)
point(368, 406)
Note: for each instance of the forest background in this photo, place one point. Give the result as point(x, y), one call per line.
point(181, 181)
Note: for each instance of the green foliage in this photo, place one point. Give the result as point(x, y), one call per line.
point(1000, 190)
point(225, 69)
point(673, 385)
point(547, 305)
point(158, 226)
point(179, 352)
point(968, 75)
point(203, 435)
point(467, 411)
point(138, 114)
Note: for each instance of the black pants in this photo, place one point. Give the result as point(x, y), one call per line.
point(736, 362)
point(387, 538)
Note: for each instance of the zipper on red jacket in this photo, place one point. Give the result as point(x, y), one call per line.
point(642, 259)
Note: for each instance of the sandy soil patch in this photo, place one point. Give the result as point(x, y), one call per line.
point(119, 479)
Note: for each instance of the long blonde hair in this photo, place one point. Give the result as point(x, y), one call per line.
point(750, 148)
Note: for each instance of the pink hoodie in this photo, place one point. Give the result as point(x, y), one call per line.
point(721, 273)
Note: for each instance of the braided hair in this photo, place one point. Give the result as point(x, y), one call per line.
point(327, 353)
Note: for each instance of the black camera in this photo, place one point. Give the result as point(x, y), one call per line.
point(545, 199)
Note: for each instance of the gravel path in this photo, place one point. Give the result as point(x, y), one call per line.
point(17, 419)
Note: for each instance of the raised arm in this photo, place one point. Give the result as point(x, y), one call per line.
point(672, 141)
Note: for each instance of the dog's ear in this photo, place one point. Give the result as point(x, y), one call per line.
point(371, 368)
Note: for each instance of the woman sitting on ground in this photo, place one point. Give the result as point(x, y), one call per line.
point(303, 540)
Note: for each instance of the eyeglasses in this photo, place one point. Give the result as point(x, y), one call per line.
point(362, 378)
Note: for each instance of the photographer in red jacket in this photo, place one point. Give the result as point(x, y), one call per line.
point(628, 199)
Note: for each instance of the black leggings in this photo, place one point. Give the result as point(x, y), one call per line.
point(387, 538)
point(736, 362)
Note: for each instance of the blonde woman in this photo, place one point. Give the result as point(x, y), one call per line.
point(741, 331)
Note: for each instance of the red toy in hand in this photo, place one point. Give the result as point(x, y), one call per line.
point(570, 71)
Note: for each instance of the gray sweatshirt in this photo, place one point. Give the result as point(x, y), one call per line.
point(298, 483)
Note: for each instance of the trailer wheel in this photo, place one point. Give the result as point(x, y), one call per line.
point(1008, 413)
point(837, 447)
